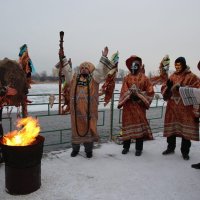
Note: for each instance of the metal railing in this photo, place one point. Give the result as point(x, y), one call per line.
point(108, 124)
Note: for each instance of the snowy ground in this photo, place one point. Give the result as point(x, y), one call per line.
point(111, 175)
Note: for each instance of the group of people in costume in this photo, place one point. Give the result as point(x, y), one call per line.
point(180, 120)
point(82, 92)
point(136, 95)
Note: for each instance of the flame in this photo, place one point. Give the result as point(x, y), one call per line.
point(27, 135)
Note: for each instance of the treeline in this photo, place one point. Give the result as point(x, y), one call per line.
point(43, 77)
point(46, 78)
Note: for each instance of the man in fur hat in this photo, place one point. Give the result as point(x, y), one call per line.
point(84, 94)
point(180, 120)
point(136, 96)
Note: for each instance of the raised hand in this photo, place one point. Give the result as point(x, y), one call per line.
point(105, 52)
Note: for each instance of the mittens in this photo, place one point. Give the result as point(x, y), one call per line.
point(166, 60)
point(134, 97)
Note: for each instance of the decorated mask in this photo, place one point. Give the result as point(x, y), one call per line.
point(134, 59)
point(134, 68)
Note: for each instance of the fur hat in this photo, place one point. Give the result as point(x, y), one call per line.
point(131, 59)
point(87, 65)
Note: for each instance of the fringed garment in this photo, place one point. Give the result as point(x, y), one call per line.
point(134, 121)
point(180, 120)
point(84, 119)
point(84, 95)
point(108, 87)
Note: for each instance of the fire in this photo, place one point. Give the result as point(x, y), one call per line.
point(27, 135)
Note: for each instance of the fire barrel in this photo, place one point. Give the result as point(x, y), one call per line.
point(23, 167)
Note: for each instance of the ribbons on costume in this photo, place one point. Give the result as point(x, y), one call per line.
point(25, 61)
point(109, 84)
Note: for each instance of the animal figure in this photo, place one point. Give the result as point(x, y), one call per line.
point(12, 76)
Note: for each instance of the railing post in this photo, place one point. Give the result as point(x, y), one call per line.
point(10, 118)
point(48, 109)
point(111, 117)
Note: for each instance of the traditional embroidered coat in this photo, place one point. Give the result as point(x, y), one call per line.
point(179, 119)
point(134, 121)
point(84, 97)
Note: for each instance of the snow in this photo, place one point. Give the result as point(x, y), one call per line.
point(111, 175)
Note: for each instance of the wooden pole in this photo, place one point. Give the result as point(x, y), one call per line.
point(61, 56)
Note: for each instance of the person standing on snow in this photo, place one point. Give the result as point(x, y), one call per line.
point(83, 103)
point(135, 97)
point(180, 120)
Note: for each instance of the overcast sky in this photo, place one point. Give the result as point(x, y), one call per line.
point(148, 28)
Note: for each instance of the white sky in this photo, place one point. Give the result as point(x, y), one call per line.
point(148, 28)
point(111, 175)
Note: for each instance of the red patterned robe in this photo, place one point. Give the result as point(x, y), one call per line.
point(134, 121)
point(180, 120)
